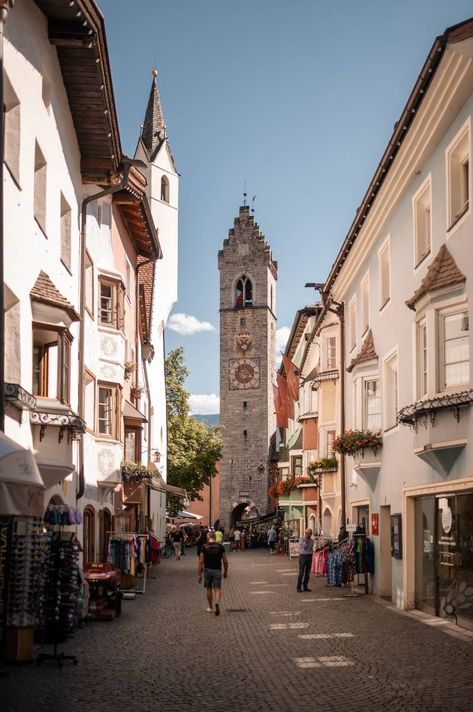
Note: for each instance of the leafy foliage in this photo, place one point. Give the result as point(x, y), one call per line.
point(354, 441)
point(193, 447)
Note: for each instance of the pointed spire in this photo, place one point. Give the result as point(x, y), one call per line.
point(154, 128)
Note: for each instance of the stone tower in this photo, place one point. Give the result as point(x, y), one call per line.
point(248, 277)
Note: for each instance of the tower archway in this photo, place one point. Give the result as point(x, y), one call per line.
point(242, 509)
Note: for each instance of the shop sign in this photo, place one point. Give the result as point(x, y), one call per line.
point(293, 548)
point(375, 523)
point(396, 536)
point(351, 527)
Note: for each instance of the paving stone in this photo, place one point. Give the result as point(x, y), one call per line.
point(166, 654)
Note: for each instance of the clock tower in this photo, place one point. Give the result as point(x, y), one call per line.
point(248, 276)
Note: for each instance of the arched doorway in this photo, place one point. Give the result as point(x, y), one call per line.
point(89, 534)
point(241, 511)
point(327, 522)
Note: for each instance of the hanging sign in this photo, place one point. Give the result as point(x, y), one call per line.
point(375, 523)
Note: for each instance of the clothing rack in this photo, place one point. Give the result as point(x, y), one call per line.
point(128, 536)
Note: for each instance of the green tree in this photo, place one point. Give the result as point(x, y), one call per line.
point(193, 447)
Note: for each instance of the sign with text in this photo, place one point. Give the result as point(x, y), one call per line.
point(293, 548)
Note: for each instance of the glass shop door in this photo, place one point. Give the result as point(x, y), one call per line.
point(464, 595)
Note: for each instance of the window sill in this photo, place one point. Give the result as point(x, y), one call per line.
point(421, 261)
point(391, 429)
point(384, 305)
point(41, 227)
point(66, 267)
point(12, 176)
point(458, 218)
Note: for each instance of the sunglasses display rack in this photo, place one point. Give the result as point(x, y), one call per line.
point(26, 554)
point(61, 588)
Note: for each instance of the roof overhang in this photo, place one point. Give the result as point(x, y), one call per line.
point(77, 30)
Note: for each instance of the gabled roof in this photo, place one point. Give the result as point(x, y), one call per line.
point(45, 292)
point(442, 272)
point(366, 353)
point(301, 318)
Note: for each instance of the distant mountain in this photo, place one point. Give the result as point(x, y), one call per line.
point(212, 419)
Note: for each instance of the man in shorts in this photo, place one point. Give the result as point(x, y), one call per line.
point(210, 563)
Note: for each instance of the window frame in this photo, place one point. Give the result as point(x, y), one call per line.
point(365, 307)
point(464, 133)
point(89, 265)
point(246, 289)
point(364, 409)
point(66, 233)
point(352, 323)
point(390, 394)
point(63, 343)
point(330, 359)
point(115, 410)
point(440, 316)
point(384, 249)
point(422, 200)
point(137, 431)
point(117, 298)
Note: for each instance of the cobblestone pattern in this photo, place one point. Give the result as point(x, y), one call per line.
point(166, 654)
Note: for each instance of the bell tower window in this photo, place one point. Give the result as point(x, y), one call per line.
point(165, 189)
point(244, 292)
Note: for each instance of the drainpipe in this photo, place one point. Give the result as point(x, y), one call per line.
point(5, 5)
point(127, 163)
point(341, 315)
point(145, 368)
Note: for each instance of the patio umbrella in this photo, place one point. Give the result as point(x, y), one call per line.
point(21, 485)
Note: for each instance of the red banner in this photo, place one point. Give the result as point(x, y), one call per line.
point(286, 399)
point(292, 377)
point(281, 414)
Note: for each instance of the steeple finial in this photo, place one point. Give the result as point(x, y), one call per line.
point(153, 134)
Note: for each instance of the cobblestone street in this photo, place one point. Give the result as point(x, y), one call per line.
point(271, 649)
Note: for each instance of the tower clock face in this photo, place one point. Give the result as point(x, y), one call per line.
point(244, 373)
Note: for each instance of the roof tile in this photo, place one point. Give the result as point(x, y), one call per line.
point(45, 291)
point(366, 353)
point(443, 272)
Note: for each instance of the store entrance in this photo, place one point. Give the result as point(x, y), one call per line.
point(444, 556)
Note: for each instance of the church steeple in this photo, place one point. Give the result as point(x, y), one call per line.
point(153, 134)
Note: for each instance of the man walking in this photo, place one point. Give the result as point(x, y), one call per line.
point(237, 536)
point(272, 538)
point(306, 549)
point(210, 563)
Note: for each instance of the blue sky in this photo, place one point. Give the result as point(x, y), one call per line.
point(298, 97)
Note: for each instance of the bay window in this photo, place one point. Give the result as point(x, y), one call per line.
point(111, 307)
point(371, 405)
point(51, 362)
point(454, 350)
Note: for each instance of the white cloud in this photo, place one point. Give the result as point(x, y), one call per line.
point(204, 403)
point(188, 325)
point(282, 335)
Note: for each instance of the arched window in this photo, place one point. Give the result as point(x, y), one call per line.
point(88, 543)
point(244, 292)
point(165, 189)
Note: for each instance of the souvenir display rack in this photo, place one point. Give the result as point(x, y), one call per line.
point(60, 594)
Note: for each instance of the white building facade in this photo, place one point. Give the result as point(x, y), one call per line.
point(404, 275)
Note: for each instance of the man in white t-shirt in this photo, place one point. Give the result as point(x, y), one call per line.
point(237, 539)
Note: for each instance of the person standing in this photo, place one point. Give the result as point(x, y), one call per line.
point(210, 564)
point(201, 539)
point(177, 542)
point(272, 538)
point(219, 536)
point(306, 549)
point(242, 539)
point(237, 539)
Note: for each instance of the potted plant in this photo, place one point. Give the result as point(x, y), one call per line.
point(136, 391)
point(355, 442)
point(129, 368)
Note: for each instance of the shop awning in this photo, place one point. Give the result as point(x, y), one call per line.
point(158, 484)
point(21, 484)
point(132, 413)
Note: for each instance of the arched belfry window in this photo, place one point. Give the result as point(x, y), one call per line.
point(165, 189)
point(244, 292)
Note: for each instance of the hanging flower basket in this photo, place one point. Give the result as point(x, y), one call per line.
point(136, 391)
point(355, 442)
point(326, 464)
point(129, 367)
point(137, 473)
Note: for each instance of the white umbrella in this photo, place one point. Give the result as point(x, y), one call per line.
point(21, 485)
